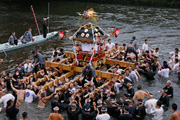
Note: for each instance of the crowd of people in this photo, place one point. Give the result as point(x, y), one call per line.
point(92, 96)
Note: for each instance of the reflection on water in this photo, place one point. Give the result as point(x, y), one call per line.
point(159, 25)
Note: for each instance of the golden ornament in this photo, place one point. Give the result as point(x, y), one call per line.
point(86, 30)
point(82, 34)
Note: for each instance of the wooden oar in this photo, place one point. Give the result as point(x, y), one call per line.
point(4, 53)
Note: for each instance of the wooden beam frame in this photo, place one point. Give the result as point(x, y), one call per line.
point(62, 78)
point(121, 63)
point(72, 68)
point(60, 65)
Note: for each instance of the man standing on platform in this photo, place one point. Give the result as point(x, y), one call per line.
point(39, 60)
point(132, 47)
point(88, 74)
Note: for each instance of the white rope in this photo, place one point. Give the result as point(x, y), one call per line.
point(71, 38)
point(102, 31)
point(75, 52)
point(93, 44)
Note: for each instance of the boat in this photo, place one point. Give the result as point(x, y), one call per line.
point(5, 47)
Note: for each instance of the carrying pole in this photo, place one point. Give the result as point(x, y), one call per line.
point(32, 10)
point(48, 17)
point(5, 53)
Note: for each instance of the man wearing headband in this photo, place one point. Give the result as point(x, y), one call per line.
point(99, 104)
point(112, 107)
point(130, 90)
point(88, 101)
point(126, 99)
point(126, 115)
point(56, 115)
point(55, 103)
point(87, 114)
point(73, 111)
point(132, 108)
point(12, 39)
point(164, 99)
point(141, 112)
point(150, 103)
point(169, 89)
point(104, 115)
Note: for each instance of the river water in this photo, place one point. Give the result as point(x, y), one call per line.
point(161, 26)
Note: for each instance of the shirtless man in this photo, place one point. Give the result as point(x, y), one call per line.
point(55, 115)
point(25, 116)
point(20, 93)
point(123, 48)
point(176, 113)
point(43, 98)
point(140, 94)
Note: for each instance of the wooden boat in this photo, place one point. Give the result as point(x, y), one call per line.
point(37, 39)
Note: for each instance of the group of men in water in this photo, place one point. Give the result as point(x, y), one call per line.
point(92, 96)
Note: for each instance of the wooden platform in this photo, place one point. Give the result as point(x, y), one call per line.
point(73, 69)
